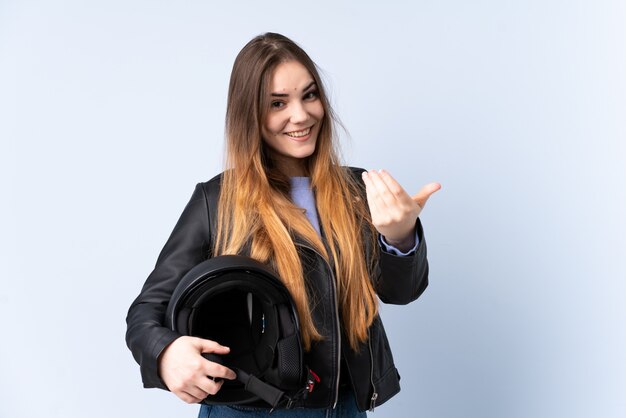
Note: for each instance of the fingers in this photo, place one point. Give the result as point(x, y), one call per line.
point(393, 211)
point(425, 192)
point(376, 207)
point(213, 373)
point(189, 375)
point(208, 387)
point(388, 192)
point(216, 370)
point(197, 393)
point(385, 194)
point(194, 384)
point(391, 183)
point(188, 398)
point(192, 395)
point(377, 188)
point(208, 346)
point(211, 368)
point(385, 188)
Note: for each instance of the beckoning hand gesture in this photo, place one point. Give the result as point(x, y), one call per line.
point(393, 210)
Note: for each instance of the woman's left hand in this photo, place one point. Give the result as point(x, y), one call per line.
point(393, 210)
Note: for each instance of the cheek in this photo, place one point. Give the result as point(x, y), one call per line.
point(266, 130)
point(273, 125)
point(319, 111)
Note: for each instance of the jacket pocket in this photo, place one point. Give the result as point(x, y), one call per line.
point(381, 352)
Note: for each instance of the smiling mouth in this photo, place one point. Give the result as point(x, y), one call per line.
point(299, 134)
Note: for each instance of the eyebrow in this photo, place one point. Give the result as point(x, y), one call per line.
point(312, 83)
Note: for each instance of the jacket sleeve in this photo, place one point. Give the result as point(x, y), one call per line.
point(402, 279)
point(188, 245)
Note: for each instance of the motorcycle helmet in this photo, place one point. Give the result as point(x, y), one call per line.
point(240, 303)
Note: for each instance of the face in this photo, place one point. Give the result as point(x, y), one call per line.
point(292, 124)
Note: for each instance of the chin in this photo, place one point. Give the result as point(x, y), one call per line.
point(305, 153)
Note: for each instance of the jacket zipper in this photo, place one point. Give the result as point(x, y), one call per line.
point(374, 393)
point(334, 292)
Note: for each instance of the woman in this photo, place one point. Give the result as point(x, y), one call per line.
point(339, 238)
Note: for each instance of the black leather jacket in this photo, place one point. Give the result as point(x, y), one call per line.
point(371, 370)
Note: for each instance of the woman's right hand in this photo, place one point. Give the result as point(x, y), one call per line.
point(187, 374)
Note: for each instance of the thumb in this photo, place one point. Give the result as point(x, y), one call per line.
point(209, 346)
point(425, 192)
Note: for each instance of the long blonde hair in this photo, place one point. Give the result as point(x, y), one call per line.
point(256, 216)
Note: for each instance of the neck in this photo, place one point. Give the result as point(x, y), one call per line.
point(291, 167)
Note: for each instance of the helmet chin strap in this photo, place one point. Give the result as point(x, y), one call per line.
point(252, 384)
point(265, 391)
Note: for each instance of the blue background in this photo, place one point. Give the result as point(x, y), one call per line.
point(111, 112)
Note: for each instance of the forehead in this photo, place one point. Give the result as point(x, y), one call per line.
point(290, 76)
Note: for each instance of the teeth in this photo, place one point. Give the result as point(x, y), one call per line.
point(299, 134)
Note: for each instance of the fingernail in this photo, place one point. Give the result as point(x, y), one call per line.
point(364, 174)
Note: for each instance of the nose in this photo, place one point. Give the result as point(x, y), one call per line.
point(299, 113)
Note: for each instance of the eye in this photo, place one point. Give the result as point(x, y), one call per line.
point(276, 104)
point(313, 94)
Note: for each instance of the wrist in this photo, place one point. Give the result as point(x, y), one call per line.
point(404, 244)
